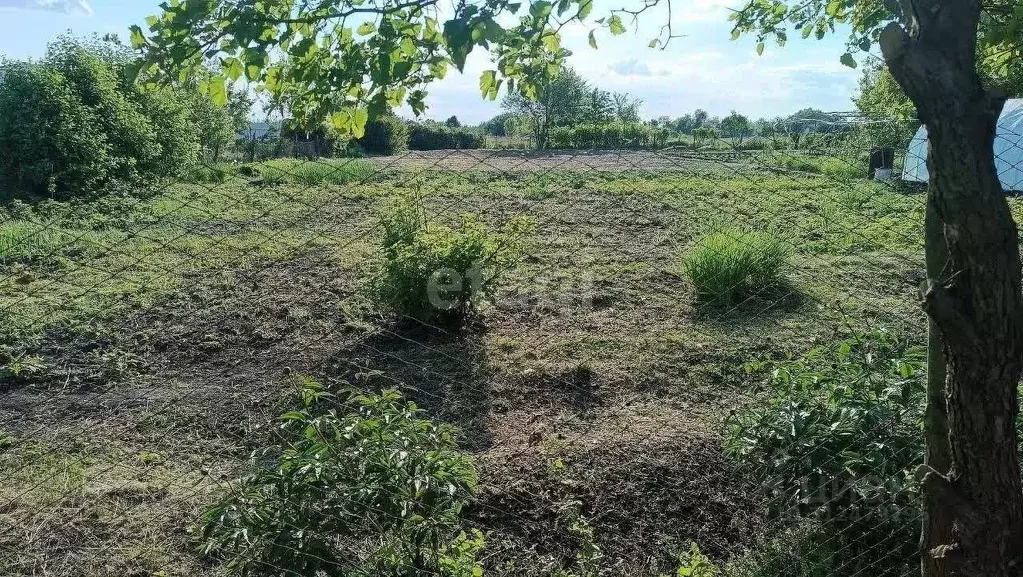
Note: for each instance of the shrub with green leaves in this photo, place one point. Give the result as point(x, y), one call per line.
point(359, 485)
point(434, 136)
point(836, 441)
point(78, 123)
point(385, 135)
point(439, 274)
point(729, 266)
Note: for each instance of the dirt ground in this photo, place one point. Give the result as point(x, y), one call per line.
point(594, 377)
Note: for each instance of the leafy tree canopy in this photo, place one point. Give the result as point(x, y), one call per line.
point(999, 46)
point(348, 60)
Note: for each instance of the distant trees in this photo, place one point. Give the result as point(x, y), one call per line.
point(736, 126)
point(570, 100)
point(452, 122)
point(626, 108)
point(559, 103)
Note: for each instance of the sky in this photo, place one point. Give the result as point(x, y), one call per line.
point(703, 68)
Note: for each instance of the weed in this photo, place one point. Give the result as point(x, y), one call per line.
point(360, 482)
point(728, 266)
point(314, 172)
point(438, 274)
point(837, 439)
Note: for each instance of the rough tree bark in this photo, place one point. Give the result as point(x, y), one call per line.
point(936, 529)
point(977, 303)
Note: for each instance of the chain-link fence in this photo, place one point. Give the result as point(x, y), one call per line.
point(703, 359)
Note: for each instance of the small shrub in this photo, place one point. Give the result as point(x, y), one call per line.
point(359, 485)
point(439, 274)
point(385, 135)
point(806, 550)
point(729, 266)
point(836, 441)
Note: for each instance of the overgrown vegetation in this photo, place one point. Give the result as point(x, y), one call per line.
point(436, 136)
point(837, 443)
point(77, 123)
point(354, 484)
point(729, 266)
point(386, 135)
point(439, 274)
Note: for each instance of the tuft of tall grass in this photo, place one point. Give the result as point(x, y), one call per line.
point(20, 240)
point(728, 266)
point(314, 172)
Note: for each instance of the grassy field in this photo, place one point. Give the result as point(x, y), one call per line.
point(146, 341)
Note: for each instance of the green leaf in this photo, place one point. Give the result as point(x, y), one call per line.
point(488, 84)
point(218, 90)
point(848, 60)
point(616, 26)
point(552, 42)
point(760, 48)
point(653, 43)
point(233, 69)
point(593, 40)
point(365, 29)
point(138, 39)
point(585, 7)
point(359, 120)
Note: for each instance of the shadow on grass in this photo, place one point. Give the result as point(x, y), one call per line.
point(764, 308)
point(441, 371)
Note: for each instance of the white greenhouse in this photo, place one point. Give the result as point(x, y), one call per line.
point(1008, 150)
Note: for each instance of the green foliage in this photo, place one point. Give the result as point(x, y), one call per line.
point(77, 124)
point(806, 550)
point(612, 135)
point(385, 135)
point(434, 136)
point(350, 62)
point(837, 440)
point(313, 172)
point(729, 266)
point(736, 125)
point(439, 274)
point(694, 563)
point(359, 485)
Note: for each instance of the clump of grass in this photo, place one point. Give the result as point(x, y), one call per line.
point(314, 172)
point(728, 266)
point(21, 240)
point(838, 168)
point(218, 174)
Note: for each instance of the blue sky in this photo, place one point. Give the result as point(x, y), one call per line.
point(702, 69)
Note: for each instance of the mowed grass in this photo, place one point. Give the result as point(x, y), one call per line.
point(195, 301)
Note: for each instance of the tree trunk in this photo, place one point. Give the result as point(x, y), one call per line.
point(977, 302)
point(936, 529)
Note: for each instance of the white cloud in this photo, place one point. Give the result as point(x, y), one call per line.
point(79, 7)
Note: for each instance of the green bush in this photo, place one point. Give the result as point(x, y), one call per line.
point(836, 442)
point(611, 135)
point(359, 485)
point(730, 265)
point(432, 136)
point(439, 274)
point(385, 135)
point(76, 123)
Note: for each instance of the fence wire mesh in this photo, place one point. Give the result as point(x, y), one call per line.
point(656, 360)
